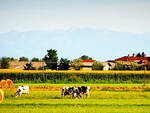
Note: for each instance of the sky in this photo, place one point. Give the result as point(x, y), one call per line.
point(101, 29)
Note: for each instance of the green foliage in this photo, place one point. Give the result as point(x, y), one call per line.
point(138, 55)
point(97, 65)
point(76, 64)
point(129, 66)
point(141, 54)
point(41, 68)
point(76, 77)
point(133, 66)
point(64, 64)
point(85, 57)
point(35, 59)
point(29, 66)
point(23, 59)
point(119, 66)
point(51, 59)
point(4, 63)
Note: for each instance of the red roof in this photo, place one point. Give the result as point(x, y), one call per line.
point(88, 60)
point(126, 58)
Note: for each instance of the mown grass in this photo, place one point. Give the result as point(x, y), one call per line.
point(98, 102)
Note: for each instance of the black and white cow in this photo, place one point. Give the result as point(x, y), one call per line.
point(67, 91)
point(76, 93)
point(22, 90)
point(84, 90)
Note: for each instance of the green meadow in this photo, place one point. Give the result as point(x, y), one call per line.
point(47, 101)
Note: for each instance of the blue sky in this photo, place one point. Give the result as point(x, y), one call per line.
point(101, 29)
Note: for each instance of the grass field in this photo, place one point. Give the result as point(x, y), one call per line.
point(47, 101)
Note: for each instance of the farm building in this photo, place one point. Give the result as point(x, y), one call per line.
point(108, 65)
point(21, 64)
point(87, 64)
point(140, 60)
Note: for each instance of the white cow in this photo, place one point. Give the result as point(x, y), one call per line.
point(22, 90)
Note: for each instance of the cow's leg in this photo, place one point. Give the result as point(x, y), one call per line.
point(19, 94)
point(27, 94)
point(62, 93)
point(65, 93)
point(87, 94)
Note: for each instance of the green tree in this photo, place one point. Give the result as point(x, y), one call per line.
point(64, 64)
point(51, 59)
point(138, 54)
point(143, 54)
point(35, 59)
point(5, 62)
point(119, 66)
point(97, 65)
point(85, 57)
point(23, 59)
point(76, 64)
point(29, 66)
point(10, 58)
point(133, 66)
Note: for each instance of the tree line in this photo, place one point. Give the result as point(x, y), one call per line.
point(53, 63)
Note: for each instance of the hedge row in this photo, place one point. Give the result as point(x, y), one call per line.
point(76, 77)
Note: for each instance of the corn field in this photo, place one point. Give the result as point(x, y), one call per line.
point(70, 76)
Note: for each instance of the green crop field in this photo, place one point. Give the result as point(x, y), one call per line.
point(47, 101)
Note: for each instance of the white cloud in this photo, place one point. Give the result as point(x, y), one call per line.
point(121, 17)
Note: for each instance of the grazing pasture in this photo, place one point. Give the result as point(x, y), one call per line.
point(50, 101)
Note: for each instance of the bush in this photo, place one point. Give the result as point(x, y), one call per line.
point(5, 63)
point(97, 66)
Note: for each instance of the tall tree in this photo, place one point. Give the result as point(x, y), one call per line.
point(23, 59)
point(5, 62)
point(51, 59)
point(64, 64)
point(85, 57)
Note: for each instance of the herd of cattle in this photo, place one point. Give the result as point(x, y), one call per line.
point(76, 92)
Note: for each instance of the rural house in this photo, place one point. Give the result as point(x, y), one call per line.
point(87, 64)
point(139, 60)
